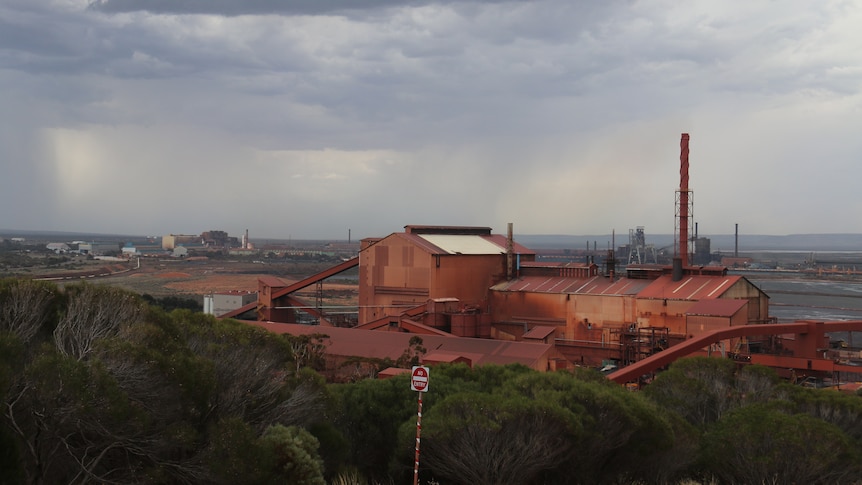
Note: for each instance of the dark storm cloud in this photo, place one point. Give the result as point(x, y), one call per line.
point(263, 7)
point(31, 40)
point(38, 39)
point(347, 106)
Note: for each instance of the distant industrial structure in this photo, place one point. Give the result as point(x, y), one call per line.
point(98, 248)
point(171, 241)
point(221, 302)
point(639, 251)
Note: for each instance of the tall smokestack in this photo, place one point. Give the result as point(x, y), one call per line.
point(683, 199)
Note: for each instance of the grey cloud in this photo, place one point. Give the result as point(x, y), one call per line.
point(19, 35)
point(36, 39)
point(39, 39)
point(398, 76)
point(519, 105)
point(263, 7)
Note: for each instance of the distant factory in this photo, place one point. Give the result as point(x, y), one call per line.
point(459, 284)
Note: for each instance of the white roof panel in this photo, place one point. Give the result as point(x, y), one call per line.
point(463, 244)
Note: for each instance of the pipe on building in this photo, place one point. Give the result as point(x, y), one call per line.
point(510, 251)
point(676, 272)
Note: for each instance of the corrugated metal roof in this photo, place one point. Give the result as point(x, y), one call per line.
point(540, 332)
point(500, 240)
point(463, 243)
point(391, 372)
point(418, 241)
point(696, 287)
point(272, 281)
point(597, 285)
point(370, 343)
point(554, 264)
point(423, 229)
point(437, 356)
point(721, 307)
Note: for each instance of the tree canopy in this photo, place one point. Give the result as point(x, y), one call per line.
point(98, 385)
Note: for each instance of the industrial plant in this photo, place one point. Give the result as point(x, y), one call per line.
point(478, 297)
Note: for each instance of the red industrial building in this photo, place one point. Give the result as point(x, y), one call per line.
point(598, 317)
point(408, 268)
point(467, 283)
point(344, 344)
point(457, 281)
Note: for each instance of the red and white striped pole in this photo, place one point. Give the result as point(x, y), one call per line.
point(418, 383)
point(418, 436)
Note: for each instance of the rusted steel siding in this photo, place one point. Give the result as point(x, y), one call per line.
point(392, 276)
point(577, 317)
point(698, 324)
point(663, 313)
point(758, 306)
point(400, 271)
point(466, 277)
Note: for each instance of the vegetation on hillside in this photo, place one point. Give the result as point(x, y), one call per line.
point(98, 385)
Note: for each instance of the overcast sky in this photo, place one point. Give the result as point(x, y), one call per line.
point(309, 118)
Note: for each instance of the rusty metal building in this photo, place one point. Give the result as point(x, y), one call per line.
point(434, 264)
point(596, 317)
point(344, 343)
point(467, 282)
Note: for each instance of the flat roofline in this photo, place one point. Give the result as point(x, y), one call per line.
point(460, 230)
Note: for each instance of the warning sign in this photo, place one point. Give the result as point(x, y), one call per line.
point(419, 379)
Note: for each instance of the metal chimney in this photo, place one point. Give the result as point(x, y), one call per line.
point(683, 201)
point(676, 269)
point(510, 253)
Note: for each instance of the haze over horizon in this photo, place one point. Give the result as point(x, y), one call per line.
point(308, 119)
point(846, 243)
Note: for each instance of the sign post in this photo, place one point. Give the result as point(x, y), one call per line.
point(419, 383)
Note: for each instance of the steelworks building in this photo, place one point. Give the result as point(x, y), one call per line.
point(466, 282)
